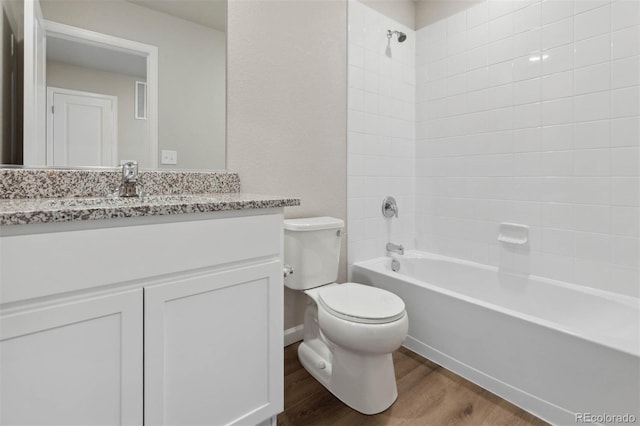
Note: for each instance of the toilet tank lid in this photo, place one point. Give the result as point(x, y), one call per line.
point(313, 223)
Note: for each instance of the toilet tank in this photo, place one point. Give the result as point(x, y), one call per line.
point(312, 248)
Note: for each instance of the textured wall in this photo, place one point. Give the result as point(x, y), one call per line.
point(287, 107)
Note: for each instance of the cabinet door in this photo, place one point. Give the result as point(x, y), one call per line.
point(77, 363)
point(213, 347)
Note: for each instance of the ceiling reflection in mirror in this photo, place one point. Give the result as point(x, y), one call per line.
point(99, 110)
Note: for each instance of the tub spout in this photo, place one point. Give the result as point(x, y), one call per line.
point(395, 248)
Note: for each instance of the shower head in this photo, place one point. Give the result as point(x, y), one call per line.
point(401, 36)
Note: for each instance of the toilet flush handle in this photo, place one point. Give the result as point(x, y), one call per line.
point(287, 270)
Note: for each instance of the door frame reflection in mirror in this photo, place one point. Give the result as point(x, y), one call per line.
point(68, 32)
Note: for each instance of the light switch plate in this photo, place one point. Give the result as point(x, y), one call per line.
point(169, 157)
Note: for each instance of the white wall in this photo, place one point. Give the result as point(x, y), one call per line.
point(430, 11)
point(191, 97)
point(400, 11)
point(132, 133)
point(287, 101)
point(527, 112)
point(381, 132)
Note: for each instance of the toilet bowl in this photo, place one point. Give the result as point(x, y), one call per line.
point(379, 328)
point(350, 329)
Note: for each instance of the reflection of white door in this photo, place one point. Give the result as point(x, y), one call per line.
point(81, 129)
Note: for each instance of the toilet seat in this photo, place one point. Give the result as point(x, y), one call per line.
point(361, 303)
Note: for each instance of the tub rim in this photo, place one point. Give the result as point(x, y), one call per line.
point(627, 346)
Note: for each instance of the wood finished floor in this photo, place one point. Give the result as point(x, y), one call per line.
point(427, 395)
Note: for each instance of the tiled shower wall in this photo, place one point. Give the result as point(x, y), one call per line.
point(381, 125)
point(528, 112)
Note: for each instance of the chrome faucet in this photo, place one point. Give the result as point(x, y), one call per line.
point(395, 248)
point(129, 185)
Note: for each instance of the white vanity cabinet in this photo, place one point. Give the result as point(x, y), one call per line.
point(208, 341)
point(76, 362)
point(181, 315)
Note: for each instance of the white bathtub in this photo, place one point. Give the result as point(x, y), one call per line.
point(555, 349)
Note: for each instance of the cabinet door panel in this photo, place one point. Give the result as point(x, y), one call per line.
point(213, 348)
point(78, 363)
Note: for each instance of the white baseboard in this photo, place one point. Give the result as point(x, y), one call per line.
point(293, 334)
point(534, 405)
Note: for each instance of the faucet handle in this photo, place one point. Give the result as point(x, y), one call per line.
point(389, 207)
point(129, 185)
point(129, 171)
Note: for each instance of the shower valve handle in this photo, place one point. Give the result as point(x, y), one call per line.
point(389, 207)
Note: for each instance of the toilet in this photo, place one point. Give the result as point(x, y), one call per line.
point(350, 329)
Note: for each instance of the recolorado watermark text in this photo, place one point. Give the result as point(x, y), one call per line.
point(603, 418)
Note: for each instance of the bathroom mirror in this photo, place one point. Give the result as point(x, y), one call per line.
point(101, 89)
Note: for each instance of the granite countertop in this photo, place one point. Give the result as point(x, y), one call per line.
point(21, 211)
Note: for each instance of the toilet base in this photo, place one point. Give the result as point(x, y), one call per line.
point(364, 382)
